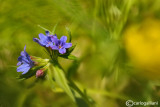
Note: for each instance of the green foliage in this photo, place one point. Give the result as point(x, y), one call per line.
point(71, 57)
point(102, 64)
point(62, 81)
point(69, 33)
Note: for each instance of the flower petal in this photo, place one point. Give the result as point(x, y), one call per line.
point(23, 68)
point(26, 70)
point(25, 60)
point(62, 50)
point(48, 39)
point(42, 37)
point(54, 39)
point(22, 53)
point(20, 58)
point(55, 35)
point(67, 45)
point(50, 44)
point(38, 41)
point(54, 47)
point(19, 63)
point(63, 38)
point(47, 33)
point(24, 48)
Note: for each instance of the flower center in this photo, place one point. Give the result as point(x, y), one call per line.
point(59, 47)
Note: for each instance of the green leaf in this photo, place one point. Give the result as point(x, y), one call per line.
point(73, 68)
point(54, 28)
point(69, 33)
point(50, 76)
point(62, 81)
point(71, 49)
point(71, 57)
point(81, 103)
point(43, 28)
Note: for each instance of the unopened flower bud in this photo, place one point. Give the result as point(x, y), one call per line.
point(40, 73)
point(35, 62)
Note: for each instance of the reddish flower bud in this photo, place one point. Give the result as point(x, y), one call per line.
point(40, 73)
point(32, 57)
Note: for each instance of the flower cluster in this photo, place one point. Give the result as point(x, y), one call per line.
point(25, 62)
point(53, 42)
point(50, 69)
point(48, 41)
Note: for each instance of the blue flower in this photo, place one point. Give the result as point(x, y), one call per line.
point(45, 41)
point(25, 62)
point(61, 44)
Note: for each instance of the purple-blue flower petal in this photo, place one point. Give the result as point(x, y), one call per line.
point(23, 68)
point(47, 33)
point(45, 40)
point(63, 38)
point(24, 48)
point(24, 59)
point(19, 63)
point(50, 44)
point(23, 53)
point(54, 47)
point(54, 39)
point(67, 45)
point(60, 44)
point(20, 58)
point(25, 62)
point(62, 50)
point(42, 37)
point(38, 41)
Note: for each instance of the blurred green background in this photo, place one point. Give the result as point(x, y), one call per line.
point(118, 43)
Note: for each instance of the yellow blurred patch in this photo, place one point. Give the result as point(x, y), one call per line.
point(142, 43)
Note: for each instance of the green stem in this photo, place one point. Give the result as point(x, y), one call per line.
point(73, 85)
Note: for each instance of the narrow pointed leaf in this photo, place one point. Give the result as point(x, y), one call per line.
point(62, 81)
point(43, 28)
point(71, 57)
point(54, 28)
point(69, 33)
point(50, 76)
